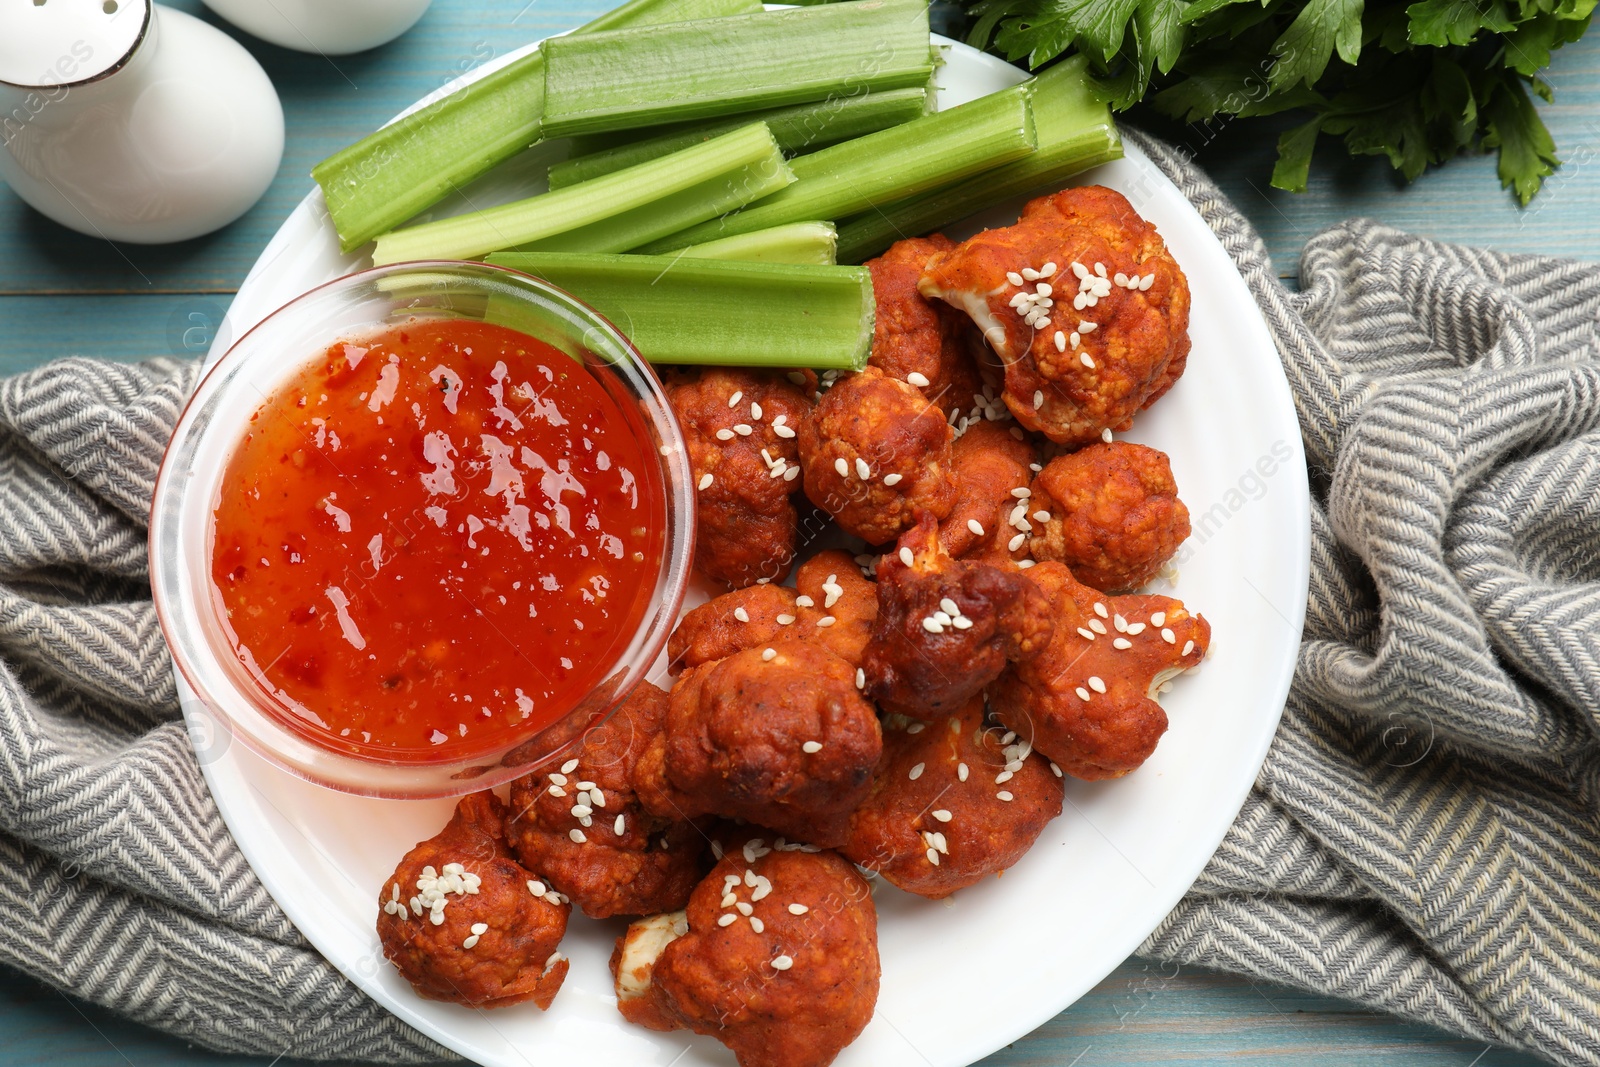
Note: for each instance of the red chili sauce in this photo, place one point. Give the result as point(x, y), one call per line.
point(435, 540)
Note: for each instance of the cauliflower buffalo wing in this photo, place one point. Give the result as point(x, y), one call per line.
point(576, 820)
point(831, 605)
point(915, 340)
point(989, 466)
point(946, 628)
point(464, 922)
point(778, 736)
point(1082, 302)
point(952, 802)
point(1087, 700)
point(874, 452)
point(1114, 515)
point(741, 428)
point(776, 957)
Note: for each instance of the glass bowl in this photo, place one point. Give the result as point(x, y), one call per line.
point(189, 485)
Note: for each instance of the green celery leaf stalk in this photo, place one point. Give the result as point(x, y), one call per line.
point(1075, 132)
point(411, 164)
point(798, 242)
point(796, 129)
point(708, 68)
point(659, 218)
point(549, 214)
point(681, 309)
point(885, 167)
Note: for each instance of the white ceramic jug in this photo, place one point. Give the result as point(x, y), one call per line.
point(132, 122)
point(327, 27)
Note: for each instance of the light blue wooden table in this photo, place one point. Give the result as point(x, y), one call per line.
point(63, 294)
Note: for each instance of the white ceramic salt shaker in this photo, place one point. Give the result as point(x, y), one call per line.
point(327, 27)
point(132, 122)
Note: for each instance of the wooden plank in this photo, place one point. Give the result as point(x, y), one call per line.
point(121, 327)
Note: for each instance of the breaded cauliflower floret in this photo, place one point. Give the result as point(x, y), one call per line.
point(778, 736)
point(464, 922)
point(1084, 304)
point(576, 820)
point(916, 340)
point(776, 957)
point(953, 801)
point(874, 452)
point(1087, 700)
point(1114, 514)
point(945, 627)
point(741, 428)
point(990, 465)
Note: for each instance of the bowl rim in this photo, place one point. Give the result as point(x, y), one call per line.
point(674, 573)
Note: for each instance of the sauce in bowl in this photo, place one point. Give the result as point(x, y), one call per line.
point(434, 540)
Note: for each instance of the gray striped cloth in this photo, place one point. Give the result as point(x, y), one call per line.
point(1422, 839)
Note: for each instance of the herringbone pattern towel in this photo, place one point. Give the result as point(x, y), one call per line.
point(1424, 837)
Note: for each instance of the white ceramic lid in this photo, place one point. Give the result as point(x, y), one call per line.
point(48, 43)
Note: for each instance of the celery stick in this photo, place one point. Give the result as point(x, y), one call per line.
point(1075, 133)
point(711, 67)
point(538, 217)
point(798, 242)
point(679, 309)
point(658, 218)
point(410, 164)
point(884, 167)
point(797, 128)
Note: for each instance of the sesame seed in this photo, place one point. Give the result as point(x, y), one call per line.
point(755, 411)
point(1100, 610)
point(705, 481)
point(961, 772)
point(842, 467)
point(536, 888)
point(1038, 399)
point(826, 621)
point(932, 625)
point(757, 925)
point(975, 526)
point(1158, 619)
point(620, 827)
point(1041, 516)
point(798, 909)
point(933, 856)
point(891, 479)
point(1168, 636)
point(580, 810)
point(782, 963)
point(1084, 326)
point(1188, 647)
point(797, 377)
point(724, 435)
point(1100, 269)
point(1047, 270)
point(916, 772)
point(785, 620)
point(1024, 564)
point(1054, 769)
point(1120, 278)
point(1146, 282)
point(1135, 629)
point(743, 908)
point(1122, 643)
point(1080, 270)
point(961, 622)
point(944, 618)
point(1061, 341)
point(1083, 694)
point(471, 942)
point(577, 835)
point(569, 766)
point(1005, 795)
point(1087, 635)
point(1022, 492)
point(1003, 777)
point(1105, 435)
point(741, 614)
point(1075, 339)
point(1013, 277)
point(743, 429)
point(768, 655)
point(863, 471)
point(735, 398)
point(558, 779)
point(811, 746)
point(917, 379)
point(1016, 542)
point(1016, 432)
point(906, 557)
point(804, 601)
point(728, 919)
point(1086, 360)
point(791, 473)
point(782, 431)
point(941, 814)
point(949, 607)
point(1029, 274)
point(1097, 626)
point(1097, 683)
point(1120, 623)
point(861, 678)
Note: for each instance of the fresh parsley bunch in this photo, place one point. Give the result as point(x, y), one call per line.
point(1417, 82)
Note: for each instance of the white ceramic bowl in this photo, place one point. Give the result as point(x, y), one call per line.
point(328, 27)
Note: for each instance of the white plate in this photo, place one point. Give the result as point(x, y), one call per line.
point(967, 976)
